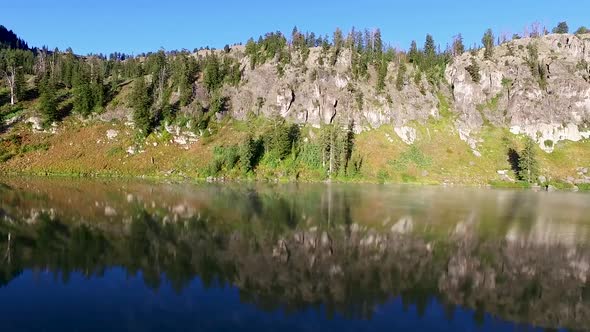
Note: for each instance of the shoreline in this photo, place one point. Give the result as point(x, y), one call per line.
point(223, 180)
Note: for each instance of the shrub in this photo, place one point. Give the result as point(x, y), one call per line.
point(473, 70)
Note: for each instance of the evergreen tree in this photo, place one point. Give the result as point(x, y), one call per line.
point(582, 30)
point(473, 70)
point(68, 64)
point(413, 52)
point(338, 43)
point(336, 144)
point(158, 65)
point(141, 103)
point(212, 74)
point(281, 139)
point(488, 43)
point(527, 163)
point(98, 95)
point(381, 75)
point(20, 84)
point(48, 100)
point(11, 69)
point(249, 153)
point(184, 70)
point(458, 47)
point(217, 103)
point(369, 49)
point(83, 103)
point(561, 28)
point(378, 52)
point(429, 47)
point(252, 52)
point(401, 77)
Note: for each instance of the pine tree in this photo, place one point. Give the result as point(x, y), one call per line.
point(10, 69)
point(160, 75)
point(184, 69)
point(429, 47)
point(338, 43)
point(20, 85)
point(141, 103)
point(48, 100)
point(529, 168)
point(248, 152)
point(83, 102)
point(98, 95)
point(488, 43)
point(252, 52)
point(413, 52)
point(473, 70)
point(378, 43)
point(381, 75)
point(336, 144)
point(212, 74)
point(458, 47)
point(561, 28)
point(401, 77)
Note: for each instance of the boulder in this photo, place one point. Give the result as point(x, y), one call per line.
point(112, 134)
point(407, 134)
point(36, 123)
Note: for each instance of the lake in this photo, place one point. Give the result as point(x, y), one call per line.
point(98, 255)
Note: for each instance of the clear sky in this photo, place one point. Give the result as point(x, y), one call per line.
point(135, 26)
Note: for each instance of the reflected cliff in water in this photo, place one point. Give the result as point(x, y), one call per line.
point(519, 256)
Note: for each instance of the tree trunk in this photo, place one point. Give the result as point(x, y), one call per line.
point(331, 152)
point(12, 92)
point(12, 84)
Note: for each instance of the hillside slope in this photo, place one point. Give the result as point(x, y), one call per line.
point(460, 123)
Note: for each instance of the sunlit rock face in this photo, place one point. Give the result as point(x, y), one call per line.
point(513, 254)
point(550, 110)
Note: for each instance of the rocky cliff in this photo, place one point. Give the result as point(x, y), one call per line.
point(536, 86)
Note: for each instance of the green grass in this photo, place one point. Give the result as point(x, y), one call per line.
point(437, 156)
point(514, 185)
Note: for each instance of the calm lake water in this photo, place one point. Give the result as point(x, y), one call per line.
point(135, 256)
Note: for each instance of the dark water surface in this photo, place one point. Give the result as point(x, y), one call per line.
point(81, 255)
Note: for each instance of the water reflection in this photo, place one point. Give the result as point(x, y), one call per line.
point(347, 250)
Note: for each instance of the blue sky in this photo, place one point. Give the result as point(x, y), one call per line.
point(135, 26)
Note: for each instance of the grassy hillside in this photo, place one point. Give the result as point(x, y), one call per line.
point(81, 148)
point(302, 109)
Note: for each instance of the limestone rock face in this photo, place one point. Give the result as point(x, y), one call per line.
point(553, 108)
point(285, 98)
point(316, 94)
point(510, 93)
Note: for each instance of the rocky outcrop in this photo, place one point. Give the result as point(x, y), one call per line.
point(548, 108)
point(407, 134)
point(320, 94)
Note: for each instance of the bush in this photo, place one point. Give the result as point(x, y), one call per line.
point(280, 140)
point(411, 156)
point(250, 153)
point(311, 155)
point(473, 70)
point(223, 157)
